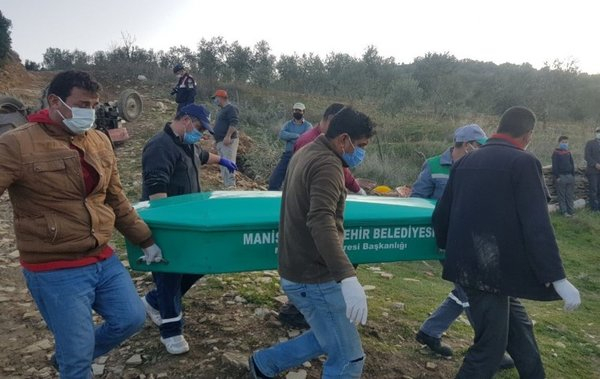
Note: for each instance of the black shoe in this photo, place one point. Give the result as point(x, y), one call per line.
point(290, 315)
point(506, 362)
point(254, 371)
point(434, 344)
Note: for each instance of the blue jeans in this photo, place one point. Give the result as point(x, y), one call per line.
point(278, 175)
point(166, 297)
point(66, 298)
point(445, 314)
point(330, 333)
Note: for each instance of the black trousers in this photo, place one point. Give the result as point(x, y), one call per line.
point(594, 191)
point(501, 324)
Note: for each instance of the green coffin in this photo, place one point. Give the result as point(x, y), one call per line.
point(234, 231)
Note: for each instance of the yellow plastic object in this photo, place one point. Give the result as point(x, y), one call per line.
point(382, 190)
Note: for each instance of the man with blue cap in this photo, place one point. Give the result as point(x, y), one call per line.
point(171, 163)
point(430, 185)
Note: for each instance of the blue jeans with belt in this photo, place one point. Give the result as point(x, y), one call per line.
point(66, 298)
point(330, 333)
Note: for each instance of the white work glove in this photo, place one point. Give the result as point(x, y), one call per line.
point(362, 192)
point(152, 254)
point(568, 292)
point(356, 300)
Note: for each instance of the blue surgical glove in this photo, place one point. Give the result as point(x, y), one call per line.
point(229, 165)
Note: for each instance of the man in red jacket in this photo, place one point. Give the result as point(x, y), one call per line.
point(321, 128)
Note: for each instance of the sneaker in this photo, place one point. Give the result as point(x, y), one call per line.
point(434, 344)
point(255, 373)
point(152, 312)
point(176, 344)
point(506, 362)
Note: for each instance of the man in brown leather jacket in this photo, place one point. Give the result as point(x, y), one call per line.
point(67, 198)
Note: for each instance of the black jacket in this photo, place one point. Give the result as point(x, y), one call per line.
point(185, 90)
point(592, 156)
point(170, 166)
point(493, 222)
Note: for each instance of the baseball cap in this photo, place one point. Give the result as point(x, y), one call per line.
point(220, 93)
point(299, 106)
point(471, 132)
point(198, 112)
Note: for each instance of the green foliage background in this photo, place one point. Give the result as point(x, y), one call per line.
point(5, 40)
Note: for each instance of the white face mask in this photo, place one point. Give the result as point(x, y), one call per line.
point(598, 135)
point(81, 121)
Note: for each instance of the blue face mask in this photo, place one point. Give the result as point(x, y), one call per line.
point(355, 158)
point(563, 146)
point(192, 137)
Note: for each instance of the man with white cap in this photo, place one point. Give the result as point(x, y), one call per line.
point(290, 131)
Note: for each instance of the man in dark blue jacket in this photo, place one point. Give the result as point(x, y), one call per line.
point(493, 222)
point(592, 171)
point(563, 171)
point(171, 163)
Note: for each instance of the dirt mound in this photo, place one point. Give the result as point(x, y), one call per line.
point(17, 82)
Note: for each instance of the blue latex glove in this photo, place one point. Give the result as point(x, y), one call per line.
point(229, 165)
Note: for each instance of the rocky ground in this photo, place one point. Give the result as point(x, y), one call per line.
point(223, 326)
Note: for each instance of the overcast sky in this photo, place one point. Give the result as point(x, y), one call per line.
point(499, 31)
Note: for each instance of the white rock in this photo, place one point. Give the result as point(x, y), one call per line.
point(293, 333)
point(134, 360)
point(97, 369)
point(386, 275)
point(261, 312)
point(101, 360)
point(142, 78)
point(369, 287)
point(560, 344)
point(430, 366)
point(300, 374)
point(237, 359)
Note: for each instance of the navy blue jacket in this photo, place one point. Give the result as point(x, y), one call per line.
point(493, 222)
point(592, 156)
point(562, 163)
point(170, 166)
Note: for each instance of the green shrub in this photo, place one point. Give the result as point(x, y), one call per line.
point(5, 40)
